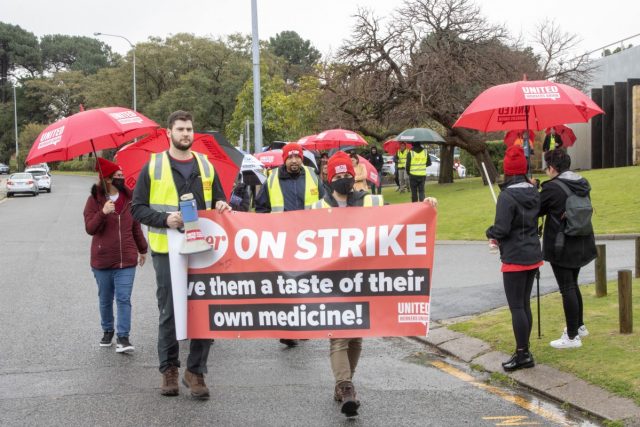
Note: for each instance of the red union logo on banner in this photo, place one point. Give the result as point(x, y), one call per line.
point(312, 274)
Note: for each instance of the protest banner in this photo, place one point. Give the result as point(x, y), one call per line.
point(307, 274)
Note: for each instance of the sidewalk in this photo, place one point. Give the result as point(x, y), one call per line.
point(548, 381)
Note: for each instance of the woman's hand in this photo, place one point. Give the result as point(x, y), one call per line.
point(109, 207)
point(141, 259)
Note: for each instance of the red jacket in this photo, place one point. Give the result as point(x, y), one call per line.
point(117, 237)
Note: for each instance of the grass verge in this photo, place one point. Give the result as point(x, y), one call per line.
point(606, 359)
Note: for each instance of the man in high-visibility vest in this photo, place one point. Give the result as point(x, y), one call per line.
point(417, 162)
point(290, 187)
point(401, 168)
point(162, 181)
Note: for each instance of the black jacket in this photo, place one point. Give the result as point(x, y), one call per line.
point(516, 224)
point(151, 217)
point(355, 198)
point(547, 142)
point(376, 161)
point(292, 187)
point(578, 250)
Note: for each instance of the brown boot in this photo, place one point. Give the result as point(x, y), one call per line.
point(349, 402)
point(170, 382)
point(195, 382)
point(337, 393)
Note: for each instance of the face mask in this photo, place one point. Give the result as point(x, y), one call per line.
point(118, 183)
point(343, 185)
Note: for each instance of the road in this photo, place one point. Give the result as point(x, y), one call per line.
point(52, 371)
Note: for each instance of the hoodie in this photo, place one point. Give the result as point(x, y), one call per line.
point(578, 250)
point(516, 223)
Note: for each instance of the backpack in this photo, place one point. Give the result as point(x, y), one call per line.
point(577, 214)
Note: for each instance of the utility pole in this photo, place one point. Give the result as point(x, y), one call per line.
point(248, 133)
point(15, 123)
point(133, 53)
point(257, 101)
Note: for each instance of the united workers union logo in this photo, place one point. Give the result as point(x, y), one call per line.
point(511, 114)
point(541, 92)
point(51, 137)
point(214, 235)
point(126, 117)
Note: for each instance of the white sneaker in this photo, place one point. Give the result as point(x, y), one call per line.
point(566, 342)
point(582, 331)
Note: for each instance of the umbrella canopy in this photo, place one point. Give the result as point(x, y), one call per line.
point(372, 173)
point(134, 156)
point(527, 104)
point(251, 170)
point(87, 131)
point(333, 138)
point(392, 146)
point(514, 135)
point(236, 155)
point(424, 135)
point(566, 134)
point(273, 158)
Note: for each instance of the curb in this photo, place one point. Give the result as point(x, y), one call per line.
point(550, 382)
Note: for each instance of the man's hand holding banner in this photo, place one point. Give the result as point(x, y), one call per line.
point(325, 273)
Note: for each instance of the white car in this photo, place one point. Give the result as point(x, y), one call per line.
point(22, 182)
point(434, 168)
point(42, 177)
point(388, 165)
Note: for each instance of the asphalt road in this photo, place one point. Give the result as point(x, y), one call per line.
point(52, 371)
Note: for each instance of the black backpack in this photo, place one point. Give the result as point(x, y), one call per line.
point(577, 213)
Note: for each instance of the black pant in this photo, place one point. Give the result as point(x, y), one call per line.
point(567, 279)
point(374, 187)
point(168, 347)
point(417, 187)
point(517, 288)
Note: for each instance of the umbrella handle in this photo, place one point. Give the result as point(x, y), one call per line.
point(484, 168)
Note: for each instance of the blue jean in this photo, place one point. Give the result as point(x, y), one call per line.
point(118, 283)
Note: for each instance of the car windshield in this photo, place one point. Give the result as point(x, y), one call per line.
point(21, 176)
point(37, 173)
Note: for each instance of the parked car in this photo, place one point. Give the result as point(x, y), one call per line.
point(389, 166)
point(434, 168)
point(42, 177)
point(4, 168)
point(22, 182)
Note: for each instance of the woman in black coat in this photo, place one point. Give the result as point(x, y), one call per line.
point(576, 252)
point(516, 231)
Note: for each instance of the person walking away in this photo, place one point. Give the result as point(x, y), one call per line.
point(117, 245)
point(515, 230)
point(417, 162)
point(290, 187)
point(345, 353)
point(566, 251)
point(162, 181)
point(401, 167)
point(377, 161)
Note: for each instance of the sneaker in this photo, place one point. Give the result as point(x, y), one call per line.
point(582, 331)
point(195, 382)
point(170, 382)
point(106, 339)
point(565, 342)
point(123, 345)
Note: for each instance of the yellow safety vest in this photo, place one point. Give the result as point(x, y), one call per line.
point(163, 195)
point(369, 201)
point(276, 198)
point(552, 143)
point(418, 163)
point(402, 159)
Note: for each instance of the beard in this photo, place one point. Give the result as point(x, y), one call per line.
point(183, 144)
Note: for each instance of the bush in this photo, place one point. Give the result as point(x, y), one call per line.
point(496, 151)
point(77, 165)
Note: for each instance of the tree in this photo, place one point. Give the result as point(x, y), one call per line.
point(18, 52)
point(74, 53)
point(28, 135)
point(299, 54)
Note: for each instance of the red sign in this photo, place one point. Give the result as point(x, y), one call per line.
point(322, 273)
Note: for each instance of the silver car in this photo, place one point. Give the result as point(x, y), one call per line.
point(22, 182)
point(4, 168)
point(42, 177)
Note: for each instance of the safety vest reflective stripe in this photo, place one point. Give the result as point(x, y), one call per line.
point(418, 163)
point(163, 195)
point(276, 198)
point(402, 159)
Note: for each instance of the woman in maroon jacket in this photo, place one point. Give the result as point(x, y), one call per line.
point(117, 246)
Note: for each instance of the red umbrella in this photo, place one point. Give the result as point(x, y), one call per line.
point(333, 138)
point(88, 131)
point(271, 158)
point(527, 105)
point(512, 135)
point(566, 134)
point(372, 173)
point(134, 156)
point(392, 146)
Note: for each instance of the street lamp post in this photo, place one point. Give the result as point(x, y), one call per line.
point(133, 48)
point(15, 123)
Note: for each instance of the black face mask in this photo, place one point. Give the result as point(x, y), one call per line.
point(118, 183)
point(343, 185)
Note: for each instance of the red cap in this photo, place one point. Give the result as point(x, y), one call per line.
point(292, 149)
point(108, 168)
point(339, 163)
point(515, 163)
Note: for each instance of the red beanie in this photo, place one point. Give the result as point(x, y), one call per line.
point(515, 163)
point(292, 149)
point(108, 168)
point(339, 163)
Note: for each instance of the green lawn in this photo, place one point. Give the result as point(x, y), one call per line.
point(466, 208)
point(607, 358)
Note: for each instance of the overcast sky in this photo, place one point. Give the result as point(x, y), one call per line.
point(325, 22)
